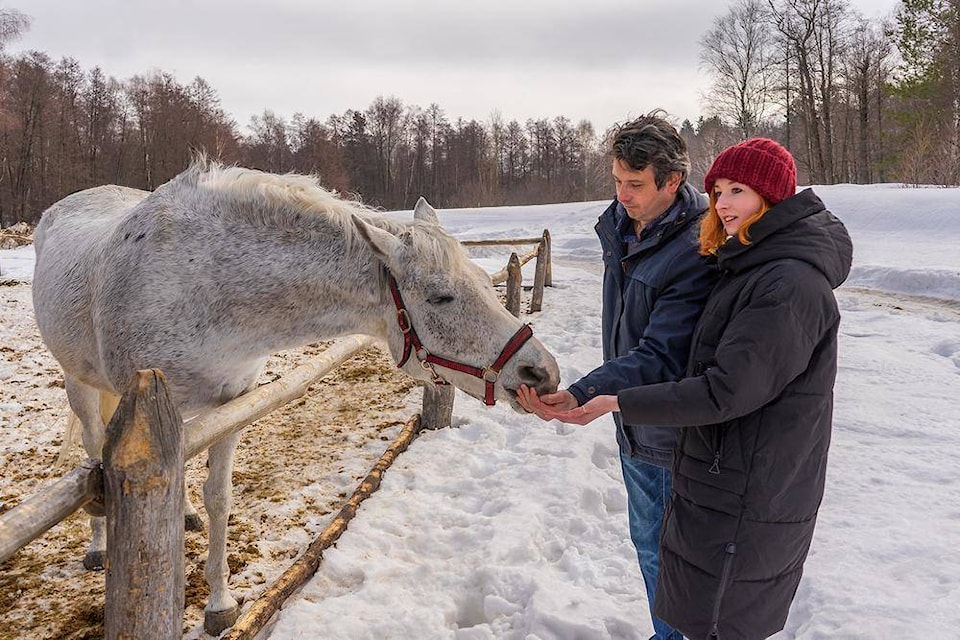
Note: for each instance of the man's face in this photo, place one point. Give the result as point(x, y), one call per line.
point(637, 191)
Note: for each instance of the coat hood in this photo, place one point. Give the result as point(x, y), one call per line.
point(801, 228)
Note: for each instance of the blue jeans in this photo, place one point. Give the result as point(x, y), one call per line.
point(648, 489)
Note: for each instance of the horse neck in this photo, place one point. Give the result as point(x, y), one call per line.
point(290, 289)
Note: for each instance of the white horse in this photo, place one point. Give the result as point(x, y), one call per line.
point(218, 269)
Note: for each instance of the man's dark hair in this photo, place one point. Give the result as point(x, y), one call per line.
point(651, 141)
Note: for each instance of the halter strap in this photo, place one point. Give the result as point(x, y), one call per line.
point(412, 345)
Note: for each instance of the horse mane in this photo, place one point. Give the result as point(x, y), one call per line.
point(298, 202)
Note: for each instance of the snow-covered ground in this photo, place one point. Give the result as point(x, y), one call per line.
point(508, 527)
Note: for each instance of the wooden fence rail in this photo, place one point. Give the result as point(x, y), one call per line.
point(498, 242)
point(34, 516)
point(206, 430)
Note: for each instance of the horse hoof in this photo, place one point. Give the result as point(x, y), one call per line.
point(214, 622)
point(192, 522)
point(93, 561)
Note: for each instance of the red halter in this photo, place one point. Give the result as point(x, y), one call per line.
point(411, 344)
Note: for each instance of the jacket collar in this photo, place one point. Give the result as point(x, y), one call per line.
point(688, 206)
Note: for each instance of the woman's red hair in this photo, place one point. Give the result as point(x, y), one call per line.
point(712, 234)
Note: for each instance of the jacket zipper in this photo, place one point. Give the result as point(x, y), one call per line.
point(715, 467)
point(730, 549)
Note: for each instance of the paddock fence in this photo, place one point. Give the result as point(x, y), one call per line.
point(138, 485)
point(512, 274)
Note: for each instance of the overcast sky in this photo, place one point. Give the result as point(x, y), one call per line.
point(604, 60)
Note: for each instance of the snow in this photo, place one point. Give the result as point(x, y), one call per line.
point(508, 527)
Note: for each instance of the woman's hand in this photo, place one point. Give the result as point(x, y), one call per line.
point(562, 410)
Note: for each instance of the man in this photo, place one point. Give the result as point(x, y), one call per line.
point(655, 284)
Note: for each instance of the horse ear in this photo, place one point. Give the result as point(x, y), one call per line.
point(423, 211)
point(383, 243)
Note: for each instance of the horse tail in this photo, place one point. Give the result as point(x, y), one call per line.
point(71, 438)
point(108, 406)
point(74, 431)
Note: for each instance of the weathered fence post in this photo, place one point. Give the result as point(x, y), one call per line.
point(514, 279)
point(143, 495)
point(437, 409)
point(539, 278)
point(548, 258)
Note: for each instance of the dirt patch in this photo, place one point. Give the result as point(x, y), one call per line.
point(293, 470)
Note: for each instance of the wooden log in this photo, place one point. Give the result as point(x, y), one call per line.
point(501, 276)
point(255, 618)
point(437, 410)
point(548, 259)
point(539, 276)
point(143, 496)
point(31, 518)
point(493, 243)
point(514, 280)
point(213, 426)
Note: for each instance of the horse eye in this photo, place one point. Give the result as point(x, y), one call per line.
point(440, 299)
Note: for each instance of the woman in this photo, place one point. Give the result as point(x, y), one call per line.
point(757, 402)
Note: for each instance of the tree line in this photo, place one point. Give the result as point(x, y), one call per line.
point(855, 100)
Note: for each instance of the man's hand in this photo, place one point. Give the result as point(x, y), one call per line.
point(548, 403)
point(562, 406)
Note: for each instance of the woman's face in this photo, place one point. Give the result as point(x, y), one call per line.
point(736, 202)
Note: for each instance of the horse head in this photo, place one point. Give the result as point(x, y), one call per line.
point(445, 323)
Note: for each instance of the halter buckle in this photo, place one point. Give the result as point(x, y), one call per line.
point(491, 375)
point(403, 319)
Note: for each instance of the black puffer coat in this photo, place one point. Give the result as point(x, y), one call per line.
point(749, 470)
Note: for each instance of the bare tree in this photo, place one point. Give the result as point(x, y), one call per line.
point(268, 146)
point(737, 52)
point(814, 32)
point(13, 24)
point(384, 117)
point(867, 72)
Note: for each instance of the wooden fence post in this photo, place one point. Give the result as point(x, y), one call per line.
point(514, 279)
point(437, 409)
point(548, 258)
point(143, 495)
point(539, 278)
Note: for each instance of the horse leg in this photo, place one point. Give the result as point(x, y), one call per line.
point(222, 609)
point(86, 405)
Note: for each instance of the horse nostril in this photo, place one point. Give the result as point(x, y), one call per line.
point(534, 377)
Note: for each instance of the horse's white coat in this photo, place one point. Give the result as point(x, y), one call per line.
point(216, 270)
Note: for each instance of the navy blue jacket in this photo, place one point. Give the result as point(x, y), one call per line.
point(653, 293)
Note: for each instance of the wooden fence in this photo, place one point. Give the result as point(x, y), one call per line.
point(512, 274)
point(139, 483)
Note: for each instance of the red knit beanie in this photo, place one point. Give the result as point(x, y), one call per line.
point(760, 163)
